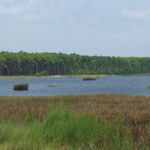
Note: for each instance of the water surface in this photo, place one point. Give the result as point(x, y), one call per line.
point(75, 86)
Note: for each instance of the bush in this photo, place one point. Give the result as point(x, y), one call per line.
point(20, 87)
point(52, 85)
point(148, 87)
point(89, 78)
point(42, 73)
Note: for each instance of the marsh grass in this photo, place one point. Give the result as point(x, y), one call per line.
point(34, 113)
point(62, 126)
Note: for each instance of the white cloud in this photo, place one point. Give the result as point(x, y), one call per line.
point(137, 14)
point(41, 16)
point(138, 30)
point(32, 16)
point(12, 7)
point(94, 20)
point(7, 1)
point(121, 37)
point(29, 10)
point(11, 10)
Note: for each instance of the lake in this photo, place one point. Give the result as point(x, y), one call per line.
point(75, 86)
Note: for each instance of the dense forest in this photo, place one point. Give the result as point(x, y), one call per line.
point(23, 63)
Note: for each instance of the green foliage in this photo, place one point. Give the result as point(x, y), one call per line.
point(1, 119)
point(63, 127)
point(52, 85)
point(89, 78)
point(30, 118)
point(42, 64)
point(20, 87)
point(148, 87)
point(42, 73)
point(5, 133)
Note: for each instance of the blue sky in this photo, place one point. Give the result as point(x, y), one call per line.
point(86, 27)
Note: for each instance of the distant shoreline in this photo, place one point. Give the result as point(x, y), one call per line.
point(67, 76)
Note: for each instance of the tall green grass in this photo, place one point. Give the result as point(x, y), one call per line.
point(62, 127)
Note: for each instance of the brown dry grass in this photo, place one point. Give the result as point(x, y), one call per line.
point(133, 110)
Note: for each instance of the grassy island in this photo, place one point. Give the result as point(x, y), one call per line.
point(20, 87)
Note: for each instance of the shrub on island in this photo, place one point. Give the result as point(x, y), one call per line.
point(20, 87)
point(148, 87)
point(89, 78)
point(53, 85)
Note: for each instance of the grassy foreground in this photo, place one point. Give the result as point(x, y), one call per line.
point(116, 122)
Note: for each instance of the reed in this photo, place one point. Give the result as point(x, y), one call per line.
point(132, 110)
point(60, 125)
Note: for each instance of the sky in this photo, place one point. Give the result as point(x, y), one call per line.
point(85, 27)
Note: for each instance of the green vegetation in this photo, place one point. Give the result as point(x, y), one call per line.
point(42, 73)
point(41, 64)
point(20, 87)
point(52, 85)
point(83, 122)
point(148, 87)
point(89, 78)
point(55, 76)
point(63, 127)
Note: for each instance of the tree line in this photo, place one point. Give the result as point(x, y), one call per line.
point(23, 63)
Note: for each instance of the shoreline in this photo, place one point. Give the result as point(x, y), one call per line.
point(73, 96)
point(68, 76)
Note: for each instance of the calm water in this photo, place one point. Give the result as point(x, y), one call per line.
point(75, 86)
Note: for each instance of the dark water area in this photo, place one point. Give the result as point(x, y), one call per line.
point(75, 86)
